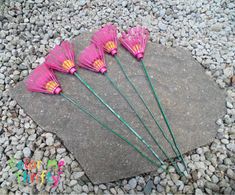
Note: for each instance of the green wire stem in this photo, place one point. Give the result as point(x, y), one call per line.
point(140, 119)
point(143, 154)
point(162, 111)
point(119, 117)
point(145, 104)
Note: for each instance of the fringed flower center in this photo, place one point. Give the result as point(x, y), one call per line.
point(136, 48)
point(110, 45)
point(51, 86)
point(98, 64)
point(68, 64)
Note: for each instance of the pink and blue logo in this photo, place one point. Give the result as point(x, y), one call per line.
point(30, 171)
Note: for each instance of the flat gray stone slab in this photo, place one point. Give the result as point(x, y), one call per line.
point(191, 100)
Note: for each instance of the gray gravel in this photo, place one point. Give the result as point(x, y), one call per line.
point(28, 29)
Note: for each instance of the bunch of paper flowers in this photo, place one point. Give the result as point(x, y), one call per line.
point(62, 59)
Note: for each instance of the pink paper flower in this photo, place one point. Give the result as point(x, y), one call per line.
point(43, 80)
point(135, 40)
point(61, 58)
point(106, 38)
point(92, 58)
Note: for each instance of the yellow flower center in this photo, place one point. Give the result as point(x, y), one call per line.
point(136, 48)
point(68, 64)
point(51, 86)
point(98, 64)
point(109, 46)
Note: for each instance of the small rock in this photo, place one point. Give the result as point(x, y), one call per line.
point(2, 47)
point(3, 191)
point(156, 180)
point(124, 3)
point(200, 165)
point(74, 164)
point(27, 125)
point(61, 150)
point(231, 174)
point(198, 192)
point(181, 167)
point(211, 168)
point(174, 177)
point(195, 157)
point(162, 26)
point(38, 154)
point(18, 155)
point(127, 187)
point(217, 27)
point(32, 137)
point(229, 105)
point(12, 104)
point(27, 152)
point(73, 183)
point(148, 188)
point(219, 122)
point(171, 169)
point(85, 189)
point(24, 73)
point(82, 2)
point(200, 151)
point(77, 175)
point(212, 186)
point(113, 191)
point(214, 179)
point(231, 147)
point(50, 141)
point(181, 185)
point(222, 167)
point(228, 72)
point(228, 190)
point(102, 187)
point(133, 183)
point(67, 160)
point(160, 189)
point(2, 76)
point(227, 161)
point(225, 141)
point(78, 189)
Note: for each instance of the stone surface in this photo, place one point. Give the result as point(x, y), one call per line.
point(186, 92)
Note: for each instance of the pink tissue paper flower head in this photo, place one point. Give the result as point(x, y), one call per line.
point(135, 40)
point(61, 58)
point(92, 58)
point(43, 80)
point(106, 38)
